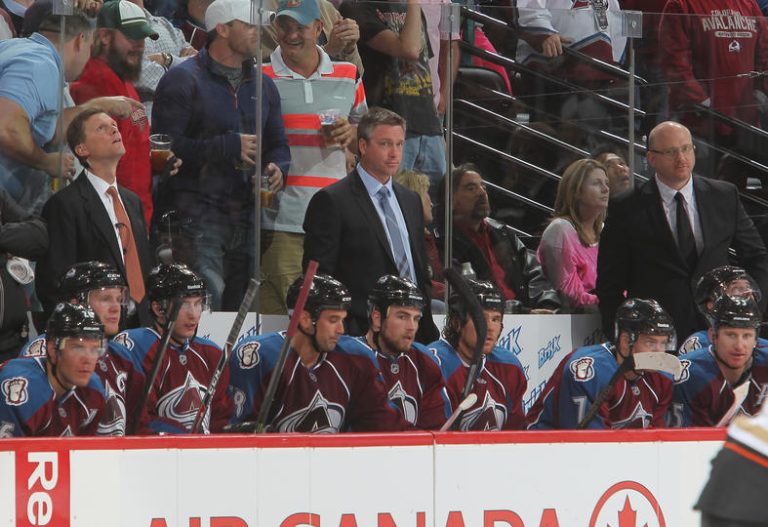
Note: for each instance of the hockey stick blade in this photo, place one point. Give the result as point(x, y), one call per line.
point(739, 394)
point(464, 405)
point(277, 372)
point(657, 361)
point(234, 332)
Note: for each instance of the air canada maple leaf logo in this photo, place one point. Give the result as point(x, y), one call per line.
point(627, 504)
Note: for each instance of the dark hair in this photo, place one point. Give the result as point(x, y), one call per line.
point(378, 117)
point(606, 148)
point(76, 130)
point(457, 174)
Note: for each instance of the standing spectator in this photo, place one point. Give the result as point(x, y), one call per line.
point(94, 218)
point(115, 65)
point(207, 105)
point(395, 52)
point(616, 168)
point(660, 238)
point(493, 249)
point(366, 226)
point(309, 83)
point(568, 247)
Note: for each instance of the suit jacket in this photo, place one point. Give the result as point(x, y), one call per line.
point(639, 255)
point(80, 230)
point(345, 235)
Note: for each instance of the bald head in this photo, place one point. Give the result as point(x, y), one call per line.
point(671, 153)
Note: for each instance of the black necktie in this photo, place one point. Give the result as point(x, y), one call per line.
point(685, 241)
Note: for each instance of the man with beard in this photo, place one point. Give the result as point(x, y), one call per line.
point(323, 389)
point(493, 248)
point(115, 64)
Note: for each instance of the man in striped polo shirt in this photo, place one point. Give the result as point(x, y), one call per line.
point(310, 85)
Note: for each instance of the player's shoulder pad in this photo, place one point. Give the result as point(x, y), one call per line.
point(699, 367)
point(35, 348)
point(256, 350)
point(760, 356)
point(504, 356)
point(118, 350)
point(695, 341)
point(424, 350)
point(24, 383)
point(356, 348)
point(138, 340)
point(447, 358)
point(590, 362)
point(202, 341)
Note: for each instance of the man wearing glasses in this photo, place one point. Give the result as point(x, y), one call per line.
point(659, 239)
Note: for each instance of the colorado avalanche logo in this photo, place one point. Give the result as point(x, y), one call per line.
point(639, 418)
point(685, 372)
point(124, 340)
point(37, 348)
point(489, 416)
point(248, 355)
point(6, 429)
point(690, 344)
point(583, 369)
point(113, 419)
point(182, 403)
point(407, 405)
point(320, 416)
point(15, 391)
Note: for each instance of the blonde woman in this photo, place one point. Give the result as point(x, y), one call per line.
point(568, 247)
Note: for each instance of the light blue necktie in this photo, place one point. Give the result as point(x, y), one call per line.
point(398, 250)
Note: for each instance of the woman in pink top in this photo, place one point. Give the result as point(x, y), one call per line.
point(568, 247)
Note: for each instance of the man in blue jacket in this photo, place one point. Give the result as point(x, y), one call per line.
point(208, 107)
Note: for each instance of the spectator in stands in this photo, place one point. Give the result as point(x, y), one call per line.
point(711, 376)
point(501, 382)
point(30, 115)
point(440, 37)
point(365, 225)
point(21, 236)
point(207, 105)
point(659, 238)
point(493, 249)
point(616, 168)
point(395, 52)
point(419, 183)
point(115, 64)
point(95, 218)
point(639, 399)
point(568, 247)
point(309, 84)
point(190, 18)
point(168, 50)
point(703, 63)
point(338, 36)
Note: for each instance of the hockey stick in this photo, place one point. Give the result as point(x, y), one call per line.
point(481, 328)
point(464, 405)
point(234, 332)
point(165, 341)
point(739, 394)
point(650, 361)
point(277, 372)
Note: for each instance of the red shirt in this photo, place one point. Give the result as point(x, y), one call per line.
point(482, 238)
point(133, 171)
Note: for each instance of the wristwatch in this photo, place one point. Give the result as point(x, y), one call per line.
point(167, 60)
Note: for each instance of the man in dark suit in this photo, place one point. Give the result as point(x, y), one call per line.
point(85, 222)
point(366, 225)
point(661, 237)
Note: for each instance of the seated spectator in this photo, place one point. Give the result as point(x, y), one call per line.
point(190, 18)
point(322, 389)
point(419, 183)
point(493, 248)
point(725, 280)
point(59, 394)
point(568, 247)
point(21, 236)
point(638, 399)
point(616, 168)
point(705, 393)
point(501, 381)
point(190, 360)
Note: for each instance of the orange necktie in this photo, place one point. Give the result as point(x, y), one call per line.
point(130, 256)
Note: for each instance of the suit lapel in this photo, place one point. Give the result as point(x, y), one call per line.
point(94, 209)
point(363, 201)
point(705, 200)
point(658, 219)
point(410, 221)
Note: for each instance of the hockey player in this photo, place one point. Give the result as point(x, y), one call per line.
point(411, 376)
point(638, 399)
point(723, 280)
point(189, 361)
point(59, 394)
point(501, 382)
point(322, 389)
point(101, 288)
point(705, 391)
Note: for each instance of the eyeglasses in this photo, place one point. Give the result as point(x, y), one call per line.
point(672, 153)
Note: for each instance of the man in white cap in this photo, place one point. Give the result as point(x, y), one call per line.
point(208, 107)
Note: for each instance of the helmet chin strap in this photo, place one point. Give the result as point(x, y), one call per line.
point(54, 369)
point(312, 336)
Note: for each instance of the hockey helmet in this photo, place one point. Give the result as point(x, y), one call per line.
point(638, 316)
point(714, 284)
point(485, 291)
point(168, 281)
point(72, 320)
point(84, 277)
point(391, 290)
point(736, 312)
point(325, 293)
